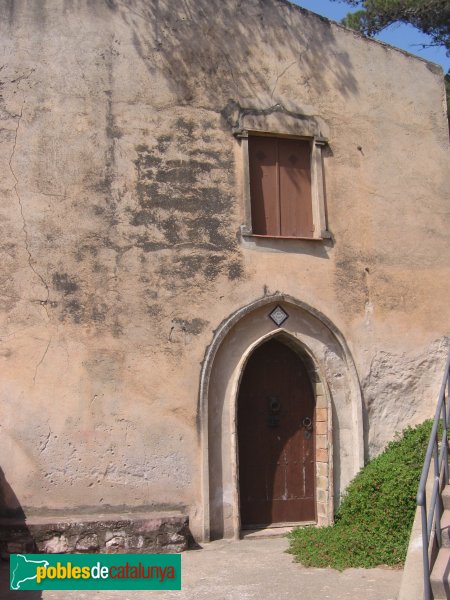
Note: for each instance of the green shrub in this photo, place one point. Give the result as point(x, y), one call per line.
point(373, 523)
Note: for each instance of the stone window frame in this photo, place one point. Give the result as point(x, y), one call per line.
point(285, 124)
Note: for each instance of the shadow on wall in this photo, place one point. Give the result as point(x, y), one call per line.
point(230, 58)
point(240, 50)
point(15, 537)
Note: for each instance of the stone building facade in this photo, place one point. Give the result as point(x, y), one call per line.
point(135, 287)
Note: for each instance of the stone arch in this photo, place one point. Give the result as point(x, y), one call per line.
point(338, 395)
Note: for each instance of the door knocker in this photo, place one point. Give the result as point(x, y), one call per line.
point(307, 424)
point(274, 405)
point(274, 411)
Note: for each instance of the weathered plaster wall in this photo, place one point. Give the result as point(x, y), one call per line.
point(121, 187)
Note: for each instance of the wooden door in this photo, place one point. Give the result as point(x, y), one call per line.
point(276, 438)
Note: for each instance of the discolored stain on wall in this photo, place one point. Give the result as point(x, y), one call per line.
point(63, 283)
point(74, 310)
point(235, 271)
point(193, 326)
point(184, 203)
point(365, 279)
point(351, 282)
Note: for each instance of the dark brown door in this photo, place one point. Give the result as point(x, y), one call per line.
point(276, 438)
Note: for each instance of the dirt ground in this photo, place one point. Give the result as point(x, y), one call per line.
point(244, 570)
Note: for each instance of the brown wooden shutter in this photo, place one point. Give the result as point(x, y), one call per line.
point(264, 185)
point(280, 187)
point(294, 160)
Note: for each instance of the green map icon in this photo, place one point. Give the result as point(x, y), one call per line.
point(24, 570)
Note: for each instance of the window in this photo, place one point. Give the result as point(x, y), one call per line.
point(280, 186)
point(282, 177)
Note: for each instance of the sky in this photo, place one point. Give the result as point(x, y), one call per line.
point(403, 36)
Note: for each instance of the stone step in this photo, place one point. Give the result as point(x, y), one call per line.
point(440, 575)
point(446, 497)
point(110, 533)
point(445, 528)
point(269, 532)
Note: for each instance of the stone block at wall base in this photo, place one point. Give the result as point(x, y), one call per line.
point(112, 533)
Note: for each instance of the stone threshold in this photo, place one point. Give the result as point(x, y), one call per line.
point(273, 531)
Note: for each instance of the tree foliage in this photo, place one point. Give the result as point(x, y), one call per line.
point(429, 16)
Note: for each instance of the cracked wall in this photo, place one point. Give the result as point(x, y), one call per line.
point(121, 185)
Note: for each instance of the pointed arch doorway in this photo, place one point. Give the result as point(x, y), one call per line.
point(338, 427)
point(276, 439)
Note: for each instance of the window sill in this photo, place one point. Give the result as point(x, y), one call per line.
point(246, 233)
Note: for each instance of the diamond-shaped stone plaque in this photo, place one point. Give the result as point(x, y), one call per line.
point(278, 316)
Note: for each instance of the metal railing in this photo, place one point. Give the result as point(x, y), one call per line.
point(438, 454)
